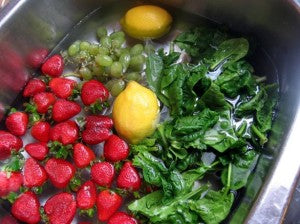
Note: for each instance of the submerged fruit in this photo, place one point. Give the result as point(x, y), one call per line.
point(135, 112)
point(146, 21)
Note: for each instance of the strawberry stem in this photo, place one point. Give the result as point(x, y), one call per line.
point(75, 183)
point(38, 190)
point(80, 122)
point(75, 93)
point(44, 217)
point(87, 212)
point(16, 162)
point(98, 106)
point(11, 197)
point(12, 110)
point(59, 150)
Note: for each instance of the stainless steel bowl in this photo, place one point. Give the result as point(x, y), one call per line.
point(26, 25)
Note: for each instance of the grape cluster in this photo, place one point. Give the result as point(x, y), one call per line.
point(110, 60)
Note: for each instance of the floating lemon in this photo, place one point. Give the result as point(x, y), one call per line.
point(146, 21)
point(135, 112)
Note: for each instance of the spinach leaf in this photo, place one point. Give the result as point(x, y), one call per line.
point(168, 59)
point(213, 207)
point(176, 210)
point(237, 78)
point(172, 87)
point(252, 105)
point(199, 122)
point(264, 114)
point(213, 98)
point(153, 168)
point(154, 67)
point(173, 182)
point(222, 136)
point(240, 169)
point(229, 51)
point(190, 97)
point(197, 41)
point(186, 132)
point(262, 106)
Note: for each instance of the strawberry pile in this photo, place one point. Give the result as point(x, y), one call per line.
point(65, 124)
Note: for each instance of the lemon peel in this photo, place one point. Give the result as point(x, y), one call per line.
point(146, 21)
point(135, 112)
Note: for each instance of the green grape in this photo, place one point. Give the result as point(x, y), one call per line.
point(125, 50)
point(85, 73)
point(117, 87)
point(73, 49)
point(93, 49)
point(101, 32)
point(135, 76)
point(118, 52)
point(117, 42)
point(84, 46)
point(82, 57)
point(117, 34)
point(97, 69)
point(137, 62)
point(114, 57)
point(103, 50)
point(125, 60)
point(102, 78)
point(103, 60)
point(116, 69)
point(109, 84)
point(105, 41)
point(137, 49)
point(107, 70)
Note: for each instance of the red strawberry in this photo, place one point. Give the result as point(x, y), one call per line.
point(17, 123)
point(34, 174)
point(15, 181)
point(8, 219)
point(82, 155)
point(37, 150)
point(8, 143)
point(96, 135)
point(33, 87)
point(86, 195)
point(3, 184)
point(108, 203)
point(53, 66)
point(103, 173)
point(98, 121)
point(64, 109)
point(93, 91)
point(10, 182)
point(115, 149)
point(121, 218)
point(27, 208)
point(65, 132)
point(43, 101)
point(62, 87)
point(129, 178)
point(41, 131)
point(36, 57)
point(60, 172)
point(60, 208)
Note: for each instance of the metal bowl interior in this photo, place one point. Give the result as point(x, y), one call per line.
point(28, 25)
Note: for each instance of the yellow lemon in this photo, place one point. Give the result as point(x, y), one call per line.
point(135, 112)
point(146, 21)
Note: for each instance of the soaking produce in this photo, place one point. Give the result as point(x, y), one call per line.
point(146, 21)
point(139, 104)
point(136, 133)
